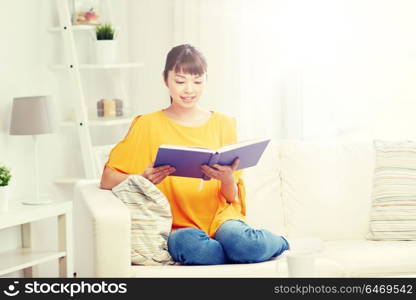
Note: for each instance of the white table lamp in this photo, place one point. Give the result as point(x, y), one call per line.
point(32, 116)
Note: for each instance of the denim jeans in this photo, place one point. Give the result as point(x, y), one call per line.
point(234, 242)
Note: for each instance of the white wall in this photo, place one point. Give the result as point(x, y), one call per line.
point(357, 60)
point(22, 73)
point(151, 37)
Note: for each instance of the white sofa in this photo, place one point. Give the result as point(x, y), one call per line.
point(298, 189)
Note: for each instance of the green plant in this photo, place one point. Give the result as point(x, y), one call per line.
point(4, 175)
point(105, 32)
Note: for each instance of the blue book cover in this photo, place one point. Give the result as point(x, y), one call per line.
point(188, 160)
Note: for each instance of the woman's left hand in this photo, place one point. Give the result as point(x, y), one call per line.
point(223, 173)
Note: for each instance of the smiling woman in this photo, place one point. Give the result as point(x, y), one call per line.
point(207, 223)
point(187, 87)
point(185, 76)
point(185, 73)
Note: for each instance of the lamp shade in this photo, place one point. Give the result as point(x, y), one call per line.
point(31, 116)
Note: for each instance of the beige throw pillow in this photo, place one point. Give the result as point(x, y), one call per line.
point(151, 220)
point(393, 212)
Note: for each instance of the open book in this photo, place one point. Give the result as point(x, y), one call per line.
point(188, 160)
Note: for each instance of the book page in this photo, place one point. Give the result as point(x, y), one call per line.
point(188, 148)
point(241, 144)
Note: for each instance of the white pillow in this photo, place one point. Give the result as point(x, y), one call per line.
point(262, 183)
point(393, 213)
point(326, 188)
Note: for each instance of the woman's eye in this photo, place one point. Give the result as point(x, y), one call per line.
point(198, 82)
point(179, 82)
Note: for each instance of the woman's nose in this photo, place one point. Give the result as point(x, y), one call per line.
point(189, 88)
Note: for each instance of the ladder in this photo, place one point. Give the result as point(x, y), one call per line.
point(92, 157)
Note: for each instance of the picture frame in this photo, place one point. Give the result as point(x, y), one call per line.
point(86, 12)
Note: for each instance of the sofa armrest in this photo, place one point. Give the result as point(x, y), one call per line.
point(102, 232)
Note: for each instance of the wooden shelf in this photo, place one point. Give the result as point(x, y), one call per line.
point(71, 181)
point(14, 260)
point(74, 27)
point(110, 122)
point(20, 213)
point(98, 66)
point(78, 28)
point(67, 180)
point(96, 122)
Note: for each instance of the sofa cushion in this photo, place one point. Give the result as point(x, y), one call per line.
point(352, 258)
point(393, 214)
point(363, 258)
point(262, 183)
point(263, 269)
point(326, 188)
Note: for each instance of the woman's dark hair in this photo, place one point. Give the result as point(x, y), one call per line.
point(186, 59)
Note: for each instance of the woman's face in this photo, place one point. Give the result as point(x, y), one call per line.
point(185, 89)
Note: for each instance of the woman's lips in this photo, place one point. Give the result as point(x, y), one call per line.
point(187, 99)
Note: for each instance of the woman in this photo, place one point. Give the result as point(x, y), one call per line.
point(208, 225)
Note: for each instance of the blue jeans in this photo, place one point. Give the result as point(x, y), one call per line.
point(234, 242)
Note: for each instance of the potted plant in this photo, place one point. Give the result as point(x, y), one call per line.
point(5, 176)
point(106, 45)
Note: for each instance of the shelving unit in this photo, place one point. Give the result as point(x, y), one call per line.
point(82, 121)
point(27, 257)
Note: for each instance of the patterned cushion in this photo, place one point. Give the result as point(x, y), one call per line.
point(151, 220)
point(393, 214)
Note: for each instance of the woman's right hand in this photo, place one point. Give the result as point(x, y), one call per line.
point(156, 175)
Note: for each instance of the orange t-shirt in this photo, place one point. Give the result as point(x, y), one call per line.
point(206, 209)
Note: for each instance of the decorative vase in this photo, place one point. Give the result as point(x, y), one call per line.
point(106, 51)
point(4, 198)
